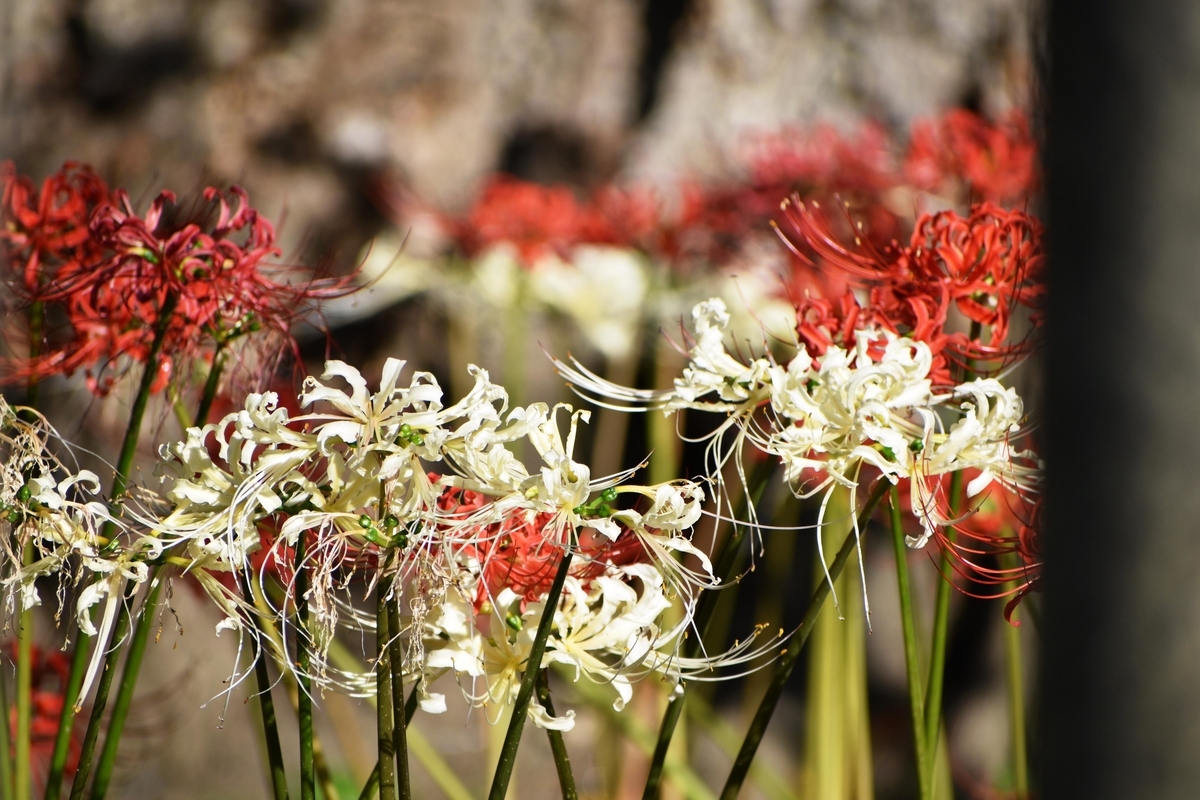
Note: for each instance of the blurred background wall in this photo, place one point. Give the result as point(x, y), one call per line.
point(310, 103)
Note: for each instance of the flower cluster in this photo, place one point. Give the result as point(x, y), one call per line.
point(983, 265)
point(130, 287)
point(871, 404)
point(474, 547)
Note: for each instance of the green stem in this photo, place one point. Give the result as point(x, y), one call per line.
point(941, 624)
point(21, 777)
point(787, 662)
point(121, 626)
point(911, 665)
point(37, 318)
point(304, 711)
point(371, 786)
point(512, 739)
point(210, 386)
point(262, 678)
point(384, 708)
point(133, 663)
point(562, 761)
point(6, 765)
point(399, 712)
point(630, 729)
point(24, 692)
point(88, 750)
point(705, 611)
point(266, 706)
point(62, 740)
point(1016, 707)
point(140, 401)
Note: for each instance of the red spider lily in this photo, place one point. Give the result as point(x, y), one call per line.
point(997, 162)
point(1001, 529)
point(42, 231)
point(516, 553)
point(984, 264)
point(49, 673)
point(201, 288)
point(535, 218)
point(824, 159)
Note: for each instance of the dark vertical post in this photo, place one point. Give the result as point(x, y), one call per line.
point(1120, 697)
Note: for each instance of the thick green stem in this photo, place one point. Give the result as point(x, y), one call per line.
point(304, 711)
point(210, 387)
point(266, 706)
point(911, 664)
point(399, 712)
point(941, 624)
point(21, 781)
point(140, 401)
point(371, 786)
point(1016, 707)
point(787, 662)
point(384, 709)
point(562, 761)
point(6, 765)
point(21, 763)
point(62, 741)
point(262, 678)
point(88, 749)
point(121, 626)
point(141, 633)
point(705, 611)
point(512, 739)
point(133, 663)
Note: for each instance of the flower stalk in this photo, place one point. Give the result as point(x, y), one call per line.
point(396, 657)
point(1016, 705)
point(21, 779)
point(304, 710)
point(941, 625)
point(266, 704)
point(512, 739)
point(121, 626)
point(705, 611)
point(6, 765)
point(562, 760)
point(911, 664)
point(787, 662)
point(133, 663)
point(384, 709)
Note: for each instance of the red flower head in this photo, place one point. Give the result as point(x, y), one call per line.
point(516, 553)
point(534, 218)
point(996, 548)
point(198, 289)
point(996, 162)
point(983, 264)
point(42, 231)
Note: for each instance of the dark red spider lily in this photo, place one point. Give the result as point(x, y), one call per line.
point(41, 231)
point(204, 288)
point(49, 674)
point(995, 161)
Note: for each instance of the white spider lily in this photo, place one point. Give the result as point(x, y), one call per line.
point(850, 410)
